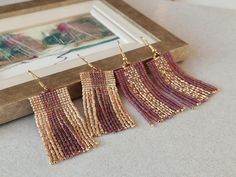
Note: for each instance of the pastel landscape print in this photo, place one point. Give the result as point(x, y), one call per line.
point(57, 38)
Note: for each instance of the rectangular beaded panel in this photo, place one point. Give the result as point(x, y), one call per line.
point(61, 127)
point(142, 93)
point(173, 81)
point(102, 105)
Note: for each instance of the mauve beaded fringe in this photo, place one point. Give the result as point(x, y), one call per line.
point(62, 129)
point(171, 80)
point(142, 93)
point(103, 109)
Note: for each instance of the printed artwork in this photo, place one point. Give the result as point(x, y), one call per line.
point(57, 38)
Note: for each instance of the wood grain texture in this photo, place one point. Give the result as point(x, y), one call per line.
point(13, 101)
point(33, 6)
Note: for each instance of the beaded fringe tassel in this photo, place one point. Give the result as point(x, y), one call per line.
point(141, 92)
point(173, 81)
point(102, 105)
point(62, 129)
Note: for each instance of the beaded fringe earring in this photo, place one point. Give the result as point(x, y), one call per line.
point(61, 127)
point(141, 92)
point(102, 105)
point(171, 80)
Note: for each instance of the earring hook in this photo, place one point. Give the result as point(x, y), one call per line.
point(38, 80)
point(86, 61)
point(154, 51)
point(124, 58)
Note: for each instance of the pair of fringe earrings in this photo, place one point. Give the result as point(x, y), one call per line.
point(66, 134)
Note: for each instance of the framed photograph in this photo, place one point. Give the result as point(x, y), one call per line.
point(46, 37)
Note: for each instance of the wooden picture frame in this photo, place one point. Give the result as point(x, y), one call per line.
point(14, 102)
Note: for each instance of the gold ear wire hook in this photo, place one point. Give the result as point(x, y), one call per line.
point(154, 51)
point(38, 80)
point(124, 58)
point(86, 61)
